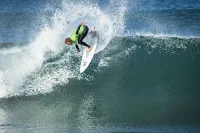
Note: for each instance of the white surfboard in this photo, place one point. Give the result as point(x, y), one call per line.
point(87, 58)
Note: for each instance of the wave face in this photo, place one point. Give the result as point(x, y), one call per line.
point(145, 83)
point(144, 76)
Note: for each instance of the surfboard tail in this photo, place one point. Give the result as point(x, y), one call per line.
point(87, 58)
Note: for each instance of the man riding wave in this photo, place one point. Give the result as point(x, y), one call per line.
point(77, 37)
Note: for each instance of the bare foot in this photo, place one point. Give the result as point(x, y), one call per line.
point(89, 49)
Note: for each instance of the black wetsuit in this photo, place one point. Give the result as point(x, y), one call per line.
point(82, 36)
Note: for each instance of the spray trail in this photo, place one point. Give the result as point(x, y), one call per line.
point(26, 71)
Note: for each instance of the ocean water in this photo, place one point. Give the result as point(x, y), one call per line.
point(144, 77)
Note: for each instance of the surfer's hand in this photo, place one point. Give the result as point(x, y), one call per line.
point(81, 23)
point(89, 49)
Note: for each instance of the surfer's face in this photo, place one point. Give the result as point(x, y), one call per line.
point(68, 42)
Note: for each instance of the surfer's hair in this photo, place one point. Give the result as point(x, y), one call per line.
point(68, 40)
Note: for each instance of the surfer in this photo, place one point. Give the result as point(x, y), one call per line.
point(77, 37)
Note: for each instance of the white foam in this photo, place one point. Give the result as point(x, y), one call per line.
point(3, 116)
point(11, 50)
point(156, 35)
point(104, 62)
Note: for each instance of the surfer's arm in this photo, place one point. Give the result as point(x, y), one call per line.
point(77, 48)
point(77, 30)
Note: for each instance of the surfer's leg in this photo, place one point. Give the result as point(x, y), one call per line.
point(84, 34)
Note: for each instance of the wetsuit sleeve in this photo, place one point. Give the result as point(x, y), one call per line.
point(77, 48)
point(77, 30)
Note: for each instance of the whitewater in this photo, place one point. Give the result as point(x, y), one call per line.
point(19, 63)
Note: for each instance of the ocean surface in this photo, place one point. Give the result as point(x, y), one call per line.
point(144, 77)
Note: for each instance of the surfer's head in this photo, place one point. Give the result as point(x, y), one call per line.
point(68, 41)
